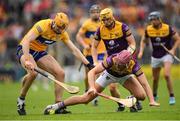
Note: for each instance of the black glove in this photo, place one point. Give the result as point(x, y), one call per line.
point(90, 66)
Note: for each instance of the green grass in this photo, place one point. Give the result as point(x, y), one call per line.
point(36, 101)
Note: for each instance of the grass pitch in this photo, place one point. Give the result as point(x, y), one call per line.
point(36, 101)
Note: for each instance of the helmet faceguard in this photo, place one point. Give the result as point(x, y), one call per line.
point(95, 7)
point(106, 14)
point(61, 22)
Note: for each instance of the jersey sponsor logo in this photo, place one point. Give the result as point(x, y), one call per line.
point(158, 39)
point(112, 44)
point(45, 41)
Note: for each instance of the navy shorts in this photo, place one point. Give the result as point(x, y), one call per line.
point(100, 58)
point(36, 54)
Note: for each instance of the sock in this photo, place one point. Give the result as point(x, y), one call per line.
point(22, 98)
point(120, 105)
point(155, 94)
point(61, 105)
point(171, 95)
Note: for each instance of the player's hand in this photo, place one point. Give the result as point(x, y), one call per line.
point(140, 55)
point(92, 90)
point(96, 63)
point(90, 66)
point(28, 65)
point(87, 47)
point(172, 52)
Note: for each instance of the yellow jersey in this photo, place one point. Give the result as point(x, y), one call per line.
point(88, 28)
point(45, 35)
point(114, 39)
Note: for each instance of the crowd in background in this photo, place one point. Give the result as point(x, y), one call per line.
point(18, 16)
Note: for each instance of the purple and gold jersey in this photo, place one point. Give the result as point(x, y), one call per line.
point(88, 29)
point(131, 68)
point(46, 35)
point(159, 36)
point(114, 39)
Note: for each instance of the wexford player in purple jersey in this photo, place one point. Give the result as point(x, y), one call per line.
point(117, 68)
point(160, 33)
point(117, 37)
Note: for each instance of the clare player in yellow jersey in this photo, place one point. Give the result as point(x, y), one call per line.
point(32, 53)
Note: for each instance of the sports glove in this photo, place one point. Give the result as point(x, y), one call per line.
point(89, 66)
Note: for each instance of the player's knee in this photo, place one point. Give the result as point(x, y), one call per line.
point(33, 74)
point(141, 96)
point(112, 88)
point(86, 99)
point(59, 73)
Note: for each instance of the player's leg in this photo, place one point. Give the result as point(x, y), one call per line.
point(49, 64)
point(156, 64)
point(84, 99)
point(90, 59)
point(156, 74)
point(167, 70)
point(113, 88)
point(86, 79)
point(27, 80)
point(74, 100)
point(136, 89)
point(143, 81)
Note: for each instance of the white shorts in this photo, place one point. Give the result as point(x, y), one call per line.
point(158, 62)
point(105, 79)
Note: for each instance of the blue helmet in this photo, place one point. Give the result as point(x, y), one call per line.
point(95, 7)
point(154, 15)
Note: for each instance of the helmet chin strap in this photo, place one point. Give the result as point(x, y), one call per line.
point(95, 19)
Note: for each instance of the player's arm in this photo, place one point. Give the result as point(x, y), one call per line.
point(26, 59)
point(143, 42)
point(77, 52)
point(92, 74)
point(142, 46)
point(131, 43)
point(176, 44)
point(95, 43)
point(130, 38)
point(31, 35)
point(80, 39)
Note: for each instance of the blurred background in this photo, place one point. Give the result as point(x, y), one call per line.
point(18, 16)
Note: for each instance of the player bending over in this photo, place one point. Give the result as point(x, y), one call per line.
point(117, 68)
